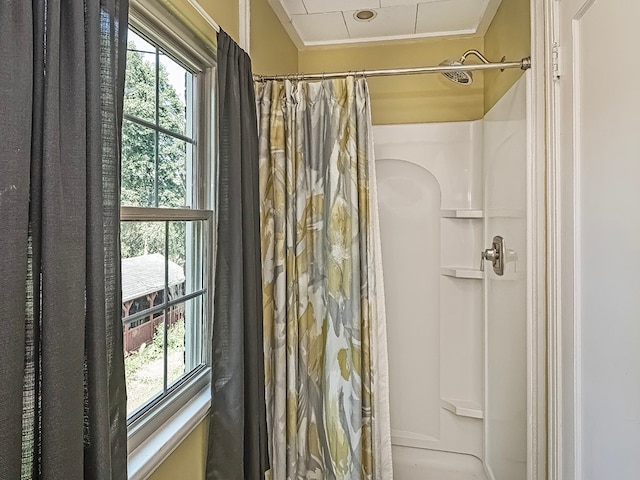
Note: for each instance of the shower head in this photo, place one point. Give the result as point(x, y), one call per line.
point(459, 77)
point(462, 77)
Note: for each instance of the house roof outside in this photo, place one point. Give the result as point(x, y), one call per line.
point(145, 274)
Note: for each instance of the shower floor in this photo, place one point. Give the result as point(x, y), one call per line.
point(423, 464)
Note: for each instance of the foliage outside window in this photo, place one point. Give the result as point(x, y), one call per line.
point(164, 231)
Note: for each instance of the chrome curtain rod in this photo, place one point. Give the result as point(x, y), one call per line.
point(523, 64)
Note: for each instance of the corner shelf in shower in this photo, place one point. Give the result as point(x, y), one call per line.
point(461, 213)
point(462, 408)
point(462, 272)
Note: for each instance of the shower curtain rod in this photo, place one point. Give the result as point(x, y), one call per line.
point(523, 64)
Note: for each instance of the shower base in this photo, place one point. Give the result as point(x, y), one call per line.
point(423, 464)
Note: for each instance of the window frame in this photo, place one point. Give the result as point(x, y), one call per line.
point(141, 424)
point(154, 434)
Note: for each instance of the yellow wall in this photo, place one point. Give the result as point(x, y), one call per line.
point(224, 12)
point(187, 462)
point(509, 35)
point(272, 51)
point(406, 99)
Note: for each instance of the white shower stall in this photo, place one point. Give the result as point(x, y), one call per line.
point(457, 332)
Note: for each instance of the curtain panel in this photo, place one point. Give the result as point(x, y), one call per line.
point(237, 437)
point(325, 343)
point(62, 401)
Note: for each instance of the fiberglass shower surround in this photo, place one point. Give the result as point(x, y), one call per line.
point(457, 376)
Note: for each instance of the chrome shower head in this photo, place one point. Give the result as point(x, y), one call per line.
point(459, 77)
point(462, 77)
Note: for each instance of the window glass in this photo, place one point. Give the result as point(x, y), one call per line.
point(138, 165)
point(176, 86)
point(140, 83)
point(183, 344)
point(186, 250)
point(164, 293)
point(143, 291)
point(157, 133)
point(172, 172)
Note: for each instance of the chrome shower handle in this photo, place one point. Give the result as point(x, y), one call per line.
point(490, 254)
point(494, 255)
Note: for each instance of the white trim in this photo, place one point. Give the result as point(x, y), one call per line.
point(149, 214)
point(203, 13)
point(244, 24)
point(537, 429)
point(150, 454)
point(577, 236)
point(285, 20)
point(469, 32)
point(554, 254)
point(175, 39)
point(487, 17)
point(536, 276)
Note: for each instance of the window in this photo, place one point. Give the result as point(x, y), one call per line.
point(166, 222)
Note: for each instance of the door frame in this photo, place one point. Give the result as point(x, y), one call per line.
point(562, 401)
point(541, 406)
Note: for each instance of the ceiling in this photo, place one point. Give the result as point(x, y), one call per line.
point(330, 22)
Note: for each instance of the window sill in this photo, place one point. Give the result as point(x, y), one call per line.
point(148, 456)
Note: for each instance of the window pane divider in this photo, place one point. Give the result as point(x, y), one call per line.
point(158, 128)
point(158, 308)
point(165, 356)
point(152, 214)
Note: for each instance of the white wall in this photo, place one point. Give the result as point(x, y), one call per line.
point(595, 233)
point(608, 240)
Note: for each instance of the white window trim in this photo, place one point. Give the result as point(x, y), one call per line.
point(140, 429)
point(152, 438)
point(155, 449)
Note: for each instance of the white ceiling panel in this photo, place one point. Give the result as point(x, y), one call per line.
point(294, 7)
point(450, 16)
point(395, 3)
point(320, 27)
point(326, 6)
point(389, 22)
point(328, 22)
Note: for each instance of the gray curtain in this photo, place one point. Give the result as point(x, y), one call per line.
point(238, 432)
point(62, 394)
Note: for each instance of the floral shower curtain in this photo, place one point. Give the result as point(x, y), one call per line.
point(324, 325)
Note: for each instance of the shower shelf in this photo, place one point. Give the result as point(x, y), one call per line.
point(462, 272)
point(462, 408)
point(461, 213)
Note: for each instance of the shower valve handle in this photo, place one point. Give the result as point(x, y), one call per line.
point(490, 254)
point(494, 255)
